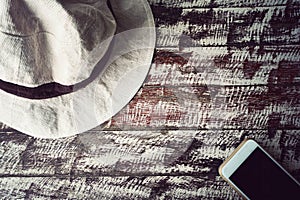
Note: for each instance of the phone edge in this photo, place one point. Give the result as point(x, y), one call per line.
point(227, 160)
point(231, 155)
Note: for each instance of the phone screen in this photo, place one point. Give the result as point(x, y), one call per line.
point(259, 177)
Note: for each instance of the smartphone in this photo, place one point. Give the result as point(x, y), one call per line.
point(253, 173)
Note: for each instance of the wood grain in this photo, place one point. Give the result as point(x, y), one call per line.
point(142, 153)
point(220, 3)
point(124, 187)
point(241, 27)
point(223, 66)
point(207, 107)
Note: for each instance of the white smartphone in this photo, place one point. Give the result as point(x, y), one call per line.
point(253, 173)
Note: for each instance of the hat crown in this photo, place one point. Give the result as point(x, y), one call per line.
point(52, 41)
point(16, 18)
point(13, 19)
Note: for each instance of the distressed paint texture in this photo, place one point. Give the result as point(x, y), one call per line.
point(124, 187)
point(138, 152)
point(237, 27)
point(220, 3)
point(223, 71)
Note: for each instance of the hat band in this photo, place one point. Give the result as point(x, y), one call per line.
point(49, 90)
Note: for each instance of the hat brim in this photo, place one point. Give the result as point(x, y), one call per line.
point(127, 67)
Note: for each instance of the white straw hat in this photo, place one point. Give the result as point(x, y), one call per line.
point(66, 66)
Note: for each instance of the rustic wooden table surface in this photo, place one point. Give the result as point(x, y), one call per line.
point(223, 70)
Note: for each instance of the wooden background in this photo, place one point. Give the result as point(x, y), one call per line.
point(223, 70)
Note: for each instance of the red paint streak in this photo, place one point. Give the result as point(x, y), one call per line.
point(168, 57)
point(148, 107)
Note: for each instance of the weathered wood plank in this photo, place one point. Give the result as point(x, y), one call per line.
point(132, 153)
point(207, 107)
point(211, 107)
point(225, 66)
point(128, 187)
point(239, 27)
point(220, 3)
